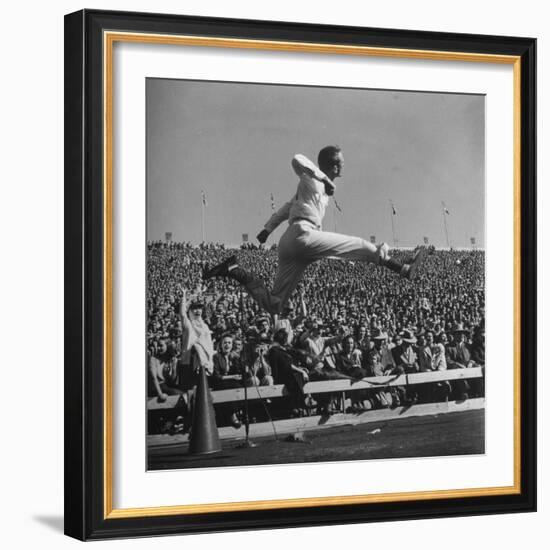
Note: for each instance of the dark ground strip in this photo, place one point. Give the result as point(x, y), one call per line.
point(448, 434)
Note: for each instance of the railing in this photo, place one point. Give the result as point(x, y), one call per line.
point(343, 386)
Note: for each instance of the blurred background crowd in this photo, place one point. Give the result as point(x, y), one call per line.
point(346, 320)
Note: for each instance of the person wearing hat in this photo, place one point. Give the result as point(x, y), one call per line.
point(407, 359)
point(384, 350)
point(372, 358)
point(458, 352)
point(458, 357)
point(397, 348)
point(378, 362)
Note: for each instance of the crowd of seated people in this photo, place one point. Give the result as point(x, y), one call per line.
point(346, 321)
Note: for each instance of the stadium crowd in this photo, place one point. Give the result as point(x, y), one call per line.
point(346, 320)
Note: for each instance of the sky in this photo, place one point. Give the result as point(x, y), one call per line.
point(235, 142)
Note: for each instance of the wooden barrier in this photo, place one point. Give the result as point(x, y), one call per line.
point(307, 423)
point(328, 386)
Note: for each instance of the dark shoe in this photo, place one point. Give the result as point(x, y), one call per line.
point(220, 270)
point(411, 267)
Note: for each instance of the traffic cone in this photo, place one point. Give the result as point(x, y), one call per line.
point(204, 438)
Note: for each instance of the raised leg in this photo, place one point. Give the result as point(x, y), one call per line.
point(324, 244)
point(288, 276)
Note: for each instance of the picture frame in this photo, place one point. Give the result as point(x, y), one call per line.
point(90, 161)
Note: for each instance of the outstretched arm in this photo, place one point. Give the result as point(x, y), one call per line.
point(183, 306)
point(185, 322)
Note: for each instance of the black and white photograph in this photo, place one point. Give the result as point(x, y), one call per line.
point(315, 274)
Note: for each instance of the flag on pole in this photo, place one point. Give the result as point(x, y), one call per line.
point(245, 237)
point(272, 203)
point(472, 240)
point(373, 239)
point(203, 197)
point(425, 240)
point(393, 211)
point(445, 209)
point(168, 236)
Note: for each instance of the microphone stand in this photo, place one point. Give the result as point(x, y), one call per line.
point(247, 443)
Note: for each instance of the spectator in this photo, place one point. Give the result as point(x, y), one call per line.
point(197, 349)
point(285, 371)
point(349, 362)
point(163, 372)
point(458, 357)
point(350, 359)
point(383, 353)
point(321, 356)
point(439, 362)
point(440, 391)
point(407, 360)
point(227, 371)
point(260, 369)
point(477, 385)
point(226, 374)
point(425, 355)
point(364, 342)
point(288, 320)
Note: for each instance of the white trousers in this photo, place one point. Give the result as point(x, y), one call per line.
point(302, 244)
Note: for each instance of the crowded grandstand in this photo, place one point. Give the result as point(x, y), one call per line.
point(346, 320)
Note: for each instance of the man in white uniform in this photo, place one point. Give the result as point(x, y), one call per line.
point(304, 242)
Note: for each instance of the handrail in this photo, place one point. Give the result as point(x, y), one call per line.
point(328, 386)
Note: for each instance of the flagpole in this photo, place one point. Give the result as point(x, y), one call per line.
point(202, 217)
point(392, 210)
point(445, 225)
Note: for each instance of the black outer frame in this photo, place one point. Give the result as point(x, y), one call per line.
point(84, 515)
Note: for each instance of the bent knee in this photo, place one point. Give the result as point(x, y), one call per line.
point(383, 251)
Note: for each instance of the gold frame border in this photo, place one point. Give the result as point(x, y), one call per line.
point(109, 39)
